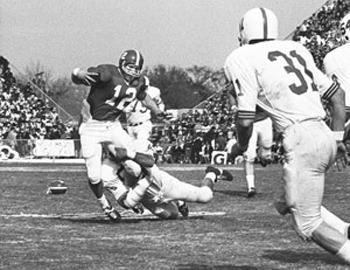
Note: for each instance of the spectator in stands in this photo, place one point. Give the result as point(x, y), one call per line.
point(207, 150)
point(11, 138)
point(220, 142)
point(197, 148)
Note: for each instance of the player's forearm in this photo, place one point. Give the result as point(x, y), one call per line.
point(144, 160)
point(149, 103)
point(337, 108)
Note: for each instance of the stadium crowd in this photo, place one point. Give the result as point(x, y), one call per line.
point(26, 117)
point(189, 139)
point(320, 32)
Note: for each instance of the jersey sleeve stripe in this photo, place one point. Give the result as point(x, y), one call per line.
point(331, 90)
point(246, 114)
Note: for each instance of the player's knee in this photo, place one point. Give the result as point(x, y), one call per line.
point(205, 194)
point(108, 170)
point(132, 168)
point(94, 177)
point(305, 225)
point(248, 157)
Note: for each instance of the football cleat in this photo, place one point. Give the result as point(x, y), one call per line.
point(220, 174)
point(112, 213)
point(251, 192)
point(226, 175)
point(183, 208)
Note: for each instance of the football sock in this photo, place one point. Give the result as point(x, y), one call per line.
point(250, 181)
point(103, 202)
point(344, 252)
point(334, 221)
point(211, 176)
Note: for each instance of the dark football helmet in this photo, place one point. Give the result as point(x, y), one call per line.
point(131, 64)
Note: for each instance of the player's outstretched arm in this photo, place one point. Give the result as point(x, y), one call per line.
point(151, 104)
point(143, 159)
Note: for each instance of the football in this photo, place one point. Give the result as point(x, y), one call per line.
point(57, 187)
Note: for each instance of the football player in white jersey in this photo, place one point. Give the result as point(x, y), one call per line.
point(281, 77)
point(138, 117)
point(336, 62)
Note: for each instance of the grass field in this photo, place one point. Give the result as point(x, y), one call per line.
point(41, 231)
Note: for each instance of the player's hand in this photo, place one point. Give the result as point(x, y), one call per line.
point(121, 154)
point(138, 209)
point(162, 114)
point(165, 116)
point(341, 159)
point(86, 76)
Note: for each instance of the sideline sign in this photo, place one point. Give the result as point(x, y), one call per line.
point(54, 148)
point(219, 157)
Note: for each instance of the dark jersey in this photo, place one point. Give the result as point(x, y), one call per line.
point(109, 96)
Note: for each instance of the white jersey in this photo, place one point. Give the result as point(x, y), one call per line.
point(282, 78)
point(336, 64)
point(137, 113)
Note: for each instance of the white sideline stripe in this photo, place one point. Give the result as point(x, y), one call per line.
point(82, 169)
point(125, 215)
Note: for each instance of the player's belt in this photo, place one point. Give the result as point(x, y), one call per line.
point(136, 124)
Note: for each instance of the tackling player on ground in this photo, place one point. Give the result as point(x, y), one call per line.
point(112, 89)
point(282, 78)
point(162, 194)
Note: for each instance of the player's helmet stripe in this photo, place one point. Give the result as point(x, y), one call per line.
point(138, 58)
point(263, 13)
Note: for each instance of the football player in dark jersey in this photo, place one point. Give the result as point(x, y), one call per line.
point(112, 88)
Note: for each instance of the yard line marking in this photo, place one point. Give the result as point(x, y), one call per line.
point(82, 169)
point(126, 215)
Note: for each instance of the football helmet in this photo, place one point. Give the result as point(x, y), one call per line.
point(131, 64)
point(345, 28)
point(258, 24)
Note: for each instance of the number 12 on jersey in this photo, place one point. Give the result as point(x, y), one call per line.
point(129, 96)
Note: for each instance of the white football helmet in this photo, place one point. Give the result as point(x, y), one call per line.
point(345, 28)
point(258, 24)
